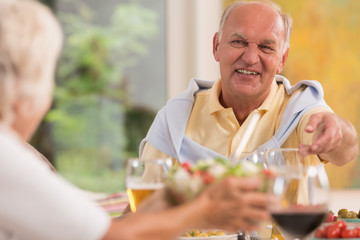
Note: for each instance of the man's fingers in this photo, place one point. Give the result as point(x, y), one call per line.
point(329, 138)
point(313, 122)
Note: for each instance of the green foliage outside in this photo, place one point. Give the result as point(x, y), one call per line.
point(91, 105)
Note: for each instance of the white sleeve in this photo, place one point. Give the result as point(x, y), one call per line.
point(37, 204)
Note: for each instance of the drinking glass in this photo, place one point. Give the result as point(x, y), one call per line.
point(143, 177)
point(301, 192)
point(256, 157)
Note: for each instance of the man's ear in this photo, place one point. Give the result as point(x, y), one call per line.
point(283, 61)
point(215, 46)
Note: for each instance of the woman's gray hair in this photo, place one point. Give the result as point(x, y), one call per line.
point(288, 23)
point(30, 43)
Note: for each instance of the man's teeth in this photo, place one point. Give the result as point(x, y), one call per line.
point(246, 72)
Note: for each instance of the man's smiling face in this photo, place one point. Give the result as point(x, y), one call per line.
point(250, 51)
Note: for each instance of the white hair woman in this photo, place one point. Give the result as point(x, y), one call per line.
point(30, 42)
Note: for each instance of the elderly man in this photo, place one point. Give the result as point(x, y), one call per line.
point(210, 119)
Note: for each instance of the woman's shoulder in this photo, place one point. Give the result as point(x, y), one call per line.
point(14, 153)
point(10, 143)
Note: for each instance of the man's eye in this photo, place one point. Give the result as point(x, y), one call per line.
point(238, 43)
point(266, 49)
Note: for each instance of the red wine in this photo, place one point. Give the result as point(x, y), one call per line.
point(299, 224)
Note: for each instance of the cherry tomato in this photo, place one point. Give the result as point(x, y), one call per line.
point(187, 166)
point(341, 224)
point(358, 229)
point(326, 228)
point(330, 217)
point(349, 233)
point(320, 233)
point(268, 173)
point(207, 177)
point(333, 232)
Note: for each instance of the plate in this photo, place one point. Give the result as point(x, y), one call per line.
point(335, 238)
point(351, 220)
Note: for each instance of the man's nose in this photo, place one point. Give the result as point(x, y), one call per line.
point(250, 54)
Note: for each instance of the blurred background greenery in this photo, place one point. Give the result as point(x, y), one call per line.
point(93, 126)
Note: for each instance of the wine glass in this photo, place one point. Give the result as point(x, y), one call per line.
point(143, 177)
point(301, 192)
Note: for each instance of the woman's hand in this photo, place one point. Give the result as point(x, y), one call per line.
point(235, 204)
point(157, 201)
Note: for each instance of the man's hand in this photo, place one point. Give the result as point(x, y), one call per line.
point(335, 139)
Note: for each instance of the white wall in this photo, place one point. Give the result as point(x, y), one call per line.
point(191, 25)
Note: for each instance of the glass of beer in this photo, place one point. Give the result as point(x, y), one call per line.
point(143, 177)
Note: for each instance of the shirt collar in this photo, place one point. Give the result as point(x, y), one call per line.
point(266, 105)
point(214, 103)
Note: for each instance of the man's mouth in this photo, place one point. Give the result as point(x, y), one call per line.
point(246, 72)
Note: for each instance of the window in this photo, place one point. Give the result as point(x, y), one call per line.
point(111, 80)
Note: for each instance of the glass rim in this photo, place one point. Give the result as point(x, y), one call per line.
point(152, 160)
point(248, 153)
point(282, 150)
